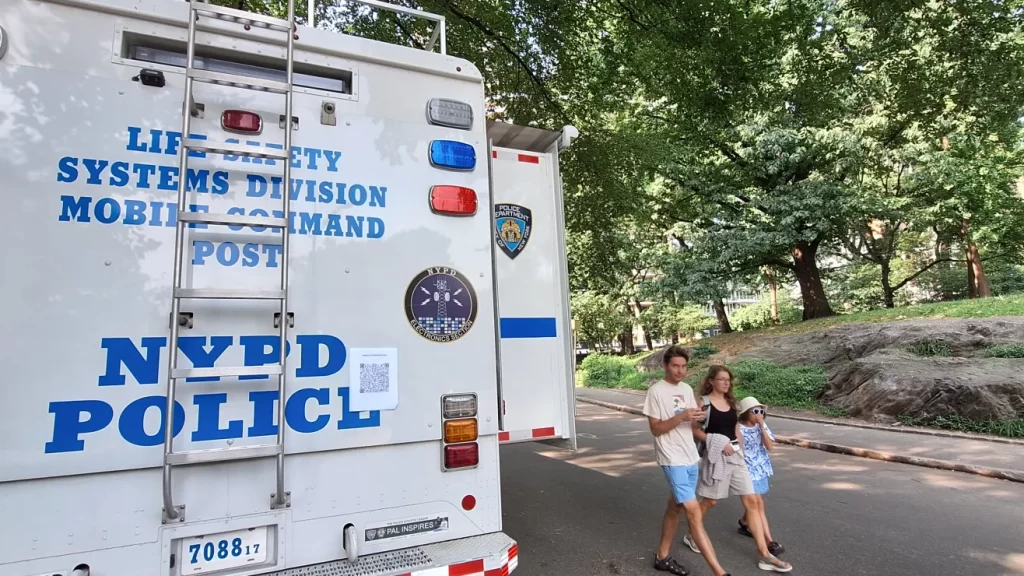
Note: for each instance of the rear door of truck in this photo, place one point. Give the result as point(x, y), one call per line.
point(536, 355)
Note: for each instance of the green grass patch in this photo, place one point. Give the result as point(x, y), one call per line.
point(833, 412)
point(930, 348)
point(703, 351)
point(1005, 351)
point(792, 387)
point(785, 387)
point(606, 371)
point(1008, 428)
point(1011, 305)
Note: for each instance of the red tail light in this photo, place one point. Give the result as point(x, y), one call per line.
point(453, 200)
point(461, 455)
point(241, 121)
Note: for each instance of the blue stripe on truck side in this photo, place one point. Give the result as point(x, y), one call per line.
point(528, 328)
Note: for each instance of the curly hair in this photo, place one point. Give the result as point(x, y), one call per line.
point(706, 386)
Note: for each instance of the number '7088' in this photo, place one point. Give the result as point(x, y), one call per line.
point(221, 550)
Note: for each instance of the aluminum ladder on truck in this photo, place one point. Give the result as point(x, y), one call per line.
point(280, 498)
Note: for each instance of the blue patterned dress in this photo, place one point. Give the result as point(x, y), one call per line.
point(758, 463)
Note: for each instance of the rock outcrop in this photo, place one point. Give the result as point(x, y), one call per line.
point(891, 383)
point(873, 376)
point(653, 361)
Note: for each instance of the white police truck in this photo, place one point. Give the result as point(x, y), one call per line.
point(210, 371)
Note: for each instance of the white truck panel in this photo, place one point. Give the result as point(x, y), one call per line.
point(88, 171)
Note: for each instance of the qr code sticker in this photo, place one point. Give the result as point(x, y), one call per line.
point(374, 378)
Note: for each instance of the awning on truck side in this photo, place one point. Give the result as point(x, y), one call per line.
point(528, 138)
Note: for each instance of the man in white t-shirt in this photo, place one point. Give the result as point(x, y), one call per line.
point(671, 408)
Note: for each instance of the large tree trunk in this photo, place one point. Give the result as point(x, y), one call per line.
point(887, 291)
point(812, 292)
point(977, 282)
point(723, 319)
point(775, 296)
point(941, 248)
point(637, 308)
point(626, 339)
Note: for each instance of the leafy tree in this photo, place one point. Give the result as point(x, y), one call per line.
point(666, 320)
point(598, 320)
point(759, 315)
point(692, 272)
point(776, 130)
point(939, 80)
point(759, 133)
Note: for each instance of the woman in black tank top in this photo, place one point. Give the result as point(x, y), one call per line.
point(722, 421)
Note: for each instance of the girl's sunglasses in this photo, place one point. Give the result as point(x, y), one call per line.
point(757, 411)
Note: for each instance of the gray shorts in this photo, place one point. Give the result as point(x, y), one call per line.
point(736, 481)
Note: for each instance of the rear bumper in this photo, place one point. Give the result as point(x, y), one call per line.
point(488, 555)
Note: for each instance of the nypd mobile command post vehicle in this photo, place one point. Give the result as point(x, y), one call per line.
point(208, 371)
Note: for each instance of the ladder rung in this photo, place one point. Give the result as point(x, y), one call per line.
point(229, 294)
point(227, 371)
point(239, 81)
point(229, 149)
point(241, 16)
point(232, 219)
point(222, 454)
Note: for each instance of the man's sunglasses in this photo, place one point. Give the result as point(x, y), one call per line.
point(757, 411)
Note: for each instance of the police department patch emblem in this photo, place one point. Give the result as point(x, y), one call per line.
point(512, 227)
point(440, 304)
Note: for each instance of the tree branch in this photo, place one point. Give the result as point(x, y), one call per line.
point(408, 33)
point(486, 31)
point(731, 154)
point(911, 278)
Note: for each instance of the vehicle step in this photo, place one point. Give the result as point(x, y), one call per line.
point(239, 81)
point(227, 371)
point(241, 16)
point(232, 219)
point(222, 454)
point(228, 294)
point(229, 149)
point(497, 554)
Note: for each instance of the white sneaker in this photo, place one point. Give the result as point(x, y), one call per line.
point(689, 542)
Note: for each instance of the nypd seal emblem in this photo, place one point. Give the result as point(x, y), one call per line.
point(512, 227)
point(440, 304)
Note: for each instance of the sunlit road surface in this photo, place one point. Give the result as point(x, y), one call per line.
point(598, 511)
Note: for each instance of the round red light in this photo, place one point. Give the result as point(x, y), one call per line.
point(469, 502)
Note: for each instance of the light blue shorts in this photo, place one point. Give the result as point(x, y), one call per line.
point(761, 486)
point(683, 481)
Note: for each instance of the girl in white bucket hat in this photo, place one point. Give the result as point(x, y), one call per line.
point(758, 440)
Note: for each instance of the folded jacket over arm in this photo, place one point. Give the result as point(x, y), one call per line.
point(714, 463)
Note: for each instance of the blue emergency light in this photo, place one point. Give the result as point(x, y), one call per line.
point(452, 155)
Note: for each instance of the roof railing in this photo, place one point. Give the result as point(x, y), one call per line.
point(438, 34)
